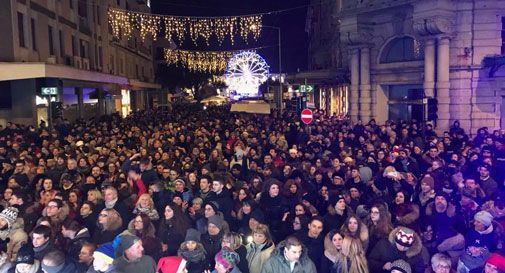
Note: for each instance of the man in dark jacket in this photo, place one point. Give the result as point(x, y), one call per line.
point(313, 240)
point(403, 243)
point(42, 245)
point(221, 195)
point(290, 256)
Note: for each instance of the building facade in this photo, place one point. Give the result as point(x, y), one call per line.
point(400, 53)
point(68, 45)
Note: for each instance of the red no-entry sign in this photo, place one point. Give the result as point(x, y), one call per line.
point(307, 116)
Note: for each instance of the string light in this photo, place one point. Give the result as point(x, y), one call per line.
point(204, 61)
point(196, 28)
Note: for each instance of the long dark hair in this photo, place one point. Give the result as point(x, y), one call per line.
point(146, 223)
point(178, 224)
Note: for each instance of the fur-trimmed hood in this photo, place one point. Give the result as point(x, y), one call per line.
point(416, 247)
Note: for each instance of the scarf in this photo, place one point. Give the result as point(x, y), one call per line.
point(110, 204)
point(194, 256)
point(41, 248)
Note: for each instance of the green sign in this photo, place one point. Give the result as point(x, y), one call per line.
point(49, 91)
point(306, 88)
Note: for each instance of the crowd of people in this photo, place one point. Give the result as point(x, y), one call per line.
point(207, 190)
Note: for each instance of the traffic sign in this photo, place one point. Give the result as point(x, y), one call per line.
point(307, 116)
point(304, 88)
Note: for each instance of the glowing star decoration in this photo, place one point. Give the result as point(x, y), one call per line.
point(246, 71)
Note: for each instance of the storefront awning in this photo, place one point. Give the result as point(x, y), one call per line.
point(138, 85)
point(319, 77)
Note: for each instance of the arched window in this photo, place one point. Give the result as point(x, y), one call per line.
point(402, 49)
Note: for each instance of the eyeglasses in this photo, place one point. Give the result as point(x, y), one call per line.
point(374, 212)
point(103, 215)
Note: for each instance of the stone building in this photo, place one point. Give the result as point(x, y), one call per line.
point(399, 53)
point(68, 45)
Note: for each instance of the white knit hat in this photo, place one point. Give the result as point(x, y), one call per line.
point(9, 214)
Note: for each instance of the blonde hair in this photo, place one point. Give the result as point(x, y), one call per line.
point(234, 238)
point(145, 195)
point(263, 229)
point(114, 220)
point(352, 250)
point(98, 195)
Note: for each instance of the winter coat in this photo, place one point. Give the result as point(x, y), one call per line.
point(168, 234)
point(104, 236)
point(144, 264)
point(277, 263)
point(36, 268)
point(385, 251)
point(453, 246)
point(75, 245)
point(17, 237)
point(224, 201)
point(212, 245)
point(257, 255)
point(5, 264)
point(333, 220)
point(242, 265)
point(314, 247)
point(69, 267)
point(273, 209)
point(196, 260)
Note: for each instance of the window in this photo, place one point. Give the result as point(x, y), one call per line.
point(503, 35)
point(82, 8)
point(21, 30)
point(71, 4)
point(74, 48)
point(34, 35)
point(84, 47)
point(98, 17)
point(403, 49)
point(100, 56)
point(111, 64)
point(62, 44)
point(50, 39)
point(118, 2)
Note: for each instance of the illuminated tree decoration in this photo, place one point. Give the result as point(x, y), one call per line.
point(245, 72)
point(204, 61)
point(196, 28)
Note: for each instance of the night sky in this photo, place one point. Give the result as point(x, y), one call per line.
point(292, 24)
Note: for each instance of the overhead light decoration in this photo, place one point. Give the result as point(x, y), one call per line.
point(123, 22)
point(204, 61)
point(245, 72)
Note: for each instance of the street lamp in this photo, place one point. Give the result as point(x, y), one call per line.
point(278, 98)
